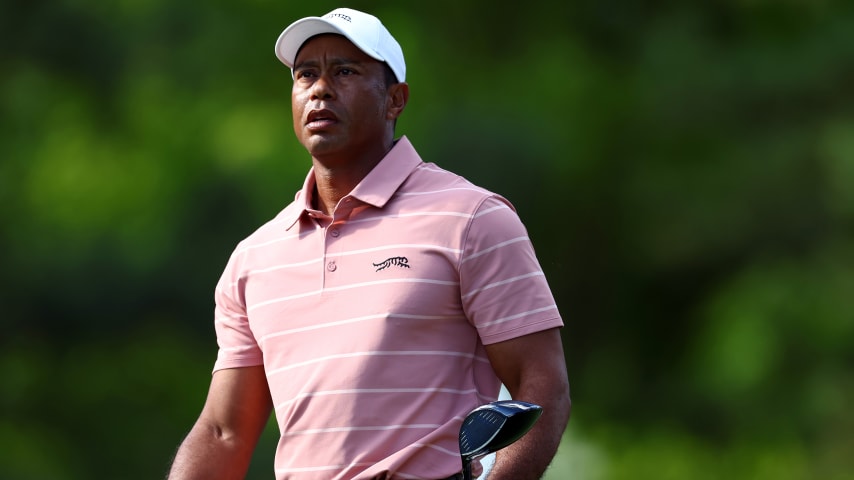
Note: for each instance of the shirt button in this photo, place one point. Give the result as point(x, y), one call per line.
point(335, 232)
point(331, 266)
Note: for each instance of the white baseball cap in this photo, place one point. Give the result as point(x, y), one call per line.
point(364, 30)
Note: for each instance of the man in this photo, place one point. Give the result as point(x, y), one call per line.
point(383, 304)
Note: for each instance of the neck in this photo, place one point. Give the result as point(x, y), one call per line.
point(335, 178)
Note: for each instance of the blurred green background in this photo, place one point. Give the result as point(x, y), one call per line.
point(686, 171)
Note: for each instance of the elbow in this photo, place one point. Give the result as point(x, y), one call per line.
point(567, 404)
point(560, 399)
point(563, 403)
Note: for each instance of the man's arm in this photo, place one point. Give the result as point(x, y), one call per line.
point(533, 369)
point(220, 444)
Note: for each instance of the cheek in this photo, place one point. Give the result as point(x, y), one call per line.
point(373, 107)
point(297, 109)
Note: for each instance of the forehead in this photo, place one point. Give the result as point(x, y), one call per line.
point(331, 46)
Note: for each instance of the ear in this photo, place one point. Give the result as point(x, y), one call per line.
point(398, 95)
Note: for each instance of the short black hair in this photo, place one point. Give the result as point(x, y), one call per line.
point(389, 76)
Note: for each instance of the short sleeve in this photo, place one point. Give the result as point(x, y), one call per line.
point(504, 291)
point(237, 345)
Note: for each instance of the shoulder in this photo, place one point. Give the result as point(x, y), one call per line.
point(274, 230)
point(429, 181)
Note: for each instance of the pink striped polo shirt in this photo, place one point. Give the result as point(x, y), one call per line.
point(371, 323)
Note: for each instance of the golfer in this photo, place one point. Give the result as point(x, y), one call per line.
point(389, 299)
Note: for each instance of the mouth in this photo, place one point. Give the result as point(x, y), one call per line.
point(319, 119)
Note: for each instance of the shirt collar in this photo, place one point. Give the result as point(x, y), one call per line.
point(375, 189)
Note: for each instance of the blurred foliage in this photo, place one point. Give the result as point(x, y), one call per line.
point(685, 171)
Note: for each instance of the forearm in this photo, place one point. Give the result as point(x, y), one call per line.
point(529, 457)
point(533, 369)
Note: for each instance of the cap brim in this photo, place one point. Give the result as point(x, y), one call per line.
point(292, 39)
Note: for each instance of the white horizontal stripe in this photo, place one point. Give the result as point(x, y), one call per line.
point(496, 247)
point(246, 248)
point(502, 206)
point(518, 315)
point(398, 246)
point(409, 215)
point(320, 258)
point(397, 280)
point(504, 282)
point(282, 299)
point(444, 190)
point(351, 286)
point(356, 320)
point(327, 393)
point(370, 218)
point(284, 266)
point(375, 353)
point(377, 428)
point(323, 468)
point(452, 453)
point(425, 246)
point(436, 169)
point(320, 326)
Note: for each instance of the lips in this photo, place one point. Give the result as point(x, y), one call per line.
point(322, 118)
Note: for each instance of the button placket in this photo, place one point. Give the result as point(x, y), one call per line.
point(333, 232)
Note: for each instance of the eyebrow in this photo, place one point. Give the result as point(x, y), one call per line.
point(335, 62)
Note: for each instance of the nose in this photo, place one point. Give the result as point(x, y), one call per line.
point(322, 88)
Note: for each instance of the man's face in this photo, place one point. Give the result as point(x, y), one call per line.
point(340, 100)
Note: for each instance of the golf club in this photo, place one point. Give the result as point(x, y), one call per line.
point(491, 427)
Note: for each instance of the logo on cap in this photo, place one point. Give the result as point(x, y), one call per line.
point(341, 16)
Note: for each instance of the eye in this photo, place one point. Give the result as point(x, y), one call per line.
point(303, 74)
point(346, 71)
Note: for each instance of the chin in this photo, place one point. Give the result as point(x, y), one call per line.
point(317, 145)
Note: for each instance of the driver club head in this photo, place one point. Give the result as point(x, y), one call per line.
point(493, 426)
